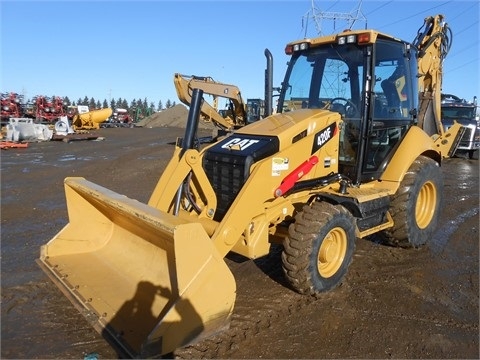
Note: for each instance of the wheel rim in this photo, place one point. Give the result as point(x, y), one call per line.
point(332, 252)
point(426, 204)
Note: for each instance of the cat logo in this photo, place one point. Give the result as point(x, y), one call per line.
point(239, 144)
point(324, 136)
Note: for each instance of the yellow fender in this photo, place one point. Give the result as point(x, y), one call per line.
point(415, 143)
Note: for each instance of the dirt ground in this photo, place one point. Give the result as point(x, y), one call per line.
point(393, 303)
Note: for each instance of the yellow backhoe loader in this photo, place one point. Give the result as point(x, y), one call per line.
point(354, 149)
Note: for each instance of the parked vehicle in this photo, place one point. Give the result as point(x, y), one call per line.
point(465, 113)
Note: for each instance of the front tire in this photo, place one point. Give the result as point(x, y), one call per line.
point(319, 248)
point(415, 208)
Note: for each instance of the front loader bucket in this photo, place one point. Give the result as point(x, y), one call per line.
point(149, 280)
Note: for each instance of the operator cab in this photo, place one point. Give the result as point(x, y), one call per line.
point(366, 77)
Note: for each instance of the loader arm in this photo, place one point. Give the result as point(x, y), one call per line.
point(184, 85)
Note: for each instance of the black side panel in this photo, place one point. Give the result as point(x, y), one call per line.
point(368, 213)
point(227, 165)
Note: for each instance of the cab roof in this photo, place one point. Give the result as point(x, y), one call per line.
point(328, 39)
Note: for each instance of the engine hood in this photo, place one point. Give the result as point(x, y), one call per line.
point(291, 126)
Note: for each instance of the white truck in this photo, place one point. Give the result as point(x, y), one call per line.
point(466, 114)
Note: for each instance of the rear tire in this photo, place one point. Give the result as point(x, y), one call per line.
point(415, 208)
point(319, 248)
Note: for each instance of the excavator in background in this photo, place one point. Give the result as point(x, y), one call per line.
point(235, 117)
point(354, 149)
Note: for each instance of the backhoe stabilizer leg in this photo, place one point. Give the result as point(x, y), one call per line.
point(448, 143)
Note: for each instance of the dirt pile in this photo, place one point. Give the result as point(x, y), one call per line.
point(176, 116)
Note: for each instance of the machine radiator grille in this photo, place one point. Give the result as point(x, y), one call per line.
point(227, 174)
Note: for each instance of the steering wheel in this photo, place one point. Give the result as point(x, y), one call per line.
point(352, 110)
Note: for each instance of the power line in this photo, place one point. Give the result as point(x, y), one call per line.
point(465, 29)
point(333, 5)
point(378, 8)
point(464, 11)
point(410, 16)
point(459, 51)
point(463, 65)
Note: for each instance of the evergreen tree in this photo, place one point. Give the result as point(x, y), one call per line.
point(133, 103)
point(91, 104)
point(136, 105)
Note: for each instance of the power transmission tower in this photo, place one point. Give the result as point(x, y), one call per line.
point(347, 20)
point(318, 16)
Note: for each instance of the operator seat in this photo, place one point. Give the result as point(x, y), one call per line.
point(393, 101)
point(392, 88)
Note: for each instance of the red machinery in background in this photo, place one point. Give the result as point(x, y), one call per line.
point(71, 111)
point(10, 106)
point(121, 116)
point(49, 109)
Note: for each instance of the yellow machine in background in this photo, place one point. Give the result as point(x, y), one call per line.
point(353, 150)
point(236, 114)
point(90, 119)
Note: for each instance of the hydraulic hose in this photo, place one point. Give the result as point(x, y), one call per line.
point(445, 34)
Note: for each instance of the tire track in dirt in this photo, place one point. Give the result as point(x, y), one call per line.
point(382, 284)
point(263, 299)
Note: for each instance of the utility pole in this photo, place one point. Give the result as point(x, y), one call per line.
point(24, 96)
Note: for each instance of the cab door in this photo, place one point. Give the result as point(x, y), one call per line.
point(392, 106)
